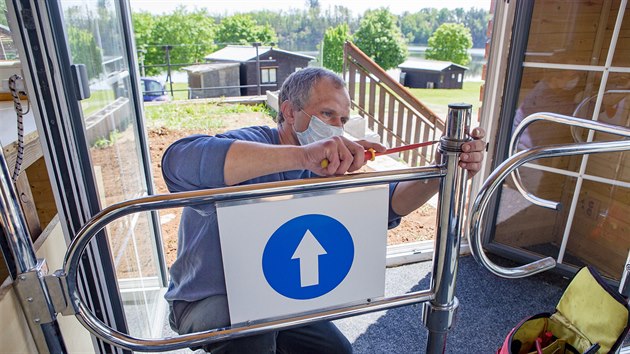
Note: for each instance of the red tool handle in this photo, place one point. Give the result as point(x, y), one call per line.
point(370, 154)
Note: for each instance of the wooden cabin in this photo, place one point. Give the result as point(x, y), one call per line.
point(432, 74)
point(213, 80)
point(275, 65)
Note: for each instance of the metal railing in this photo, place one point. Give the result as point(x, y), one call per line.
point(391, 110)
point(59, 291)
point(77, 306)
point(509, 167)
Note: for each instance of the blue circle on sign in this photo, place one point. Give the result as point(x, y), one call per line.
point(308, 256)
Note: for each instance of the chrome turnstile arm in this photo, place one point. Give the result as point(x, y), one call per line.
point(77, 306)
point(560, 119)
point(65, 297)
point(510, 166)
point(438, 315)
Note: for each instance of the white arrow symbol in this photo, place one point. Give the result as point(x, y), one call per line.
point(308, 252)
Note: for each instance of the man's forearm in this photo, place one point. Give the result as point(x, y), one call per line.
point(410, 195)
point(247, 160)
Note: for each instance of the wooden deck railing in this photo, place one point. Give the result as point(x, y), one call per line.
point(391, 110)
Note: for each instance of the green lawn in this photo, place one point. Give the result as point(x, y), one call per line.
point(469, 94)
point(98, 100)
point(195, 115)
point(180, 90)
point(438, 99)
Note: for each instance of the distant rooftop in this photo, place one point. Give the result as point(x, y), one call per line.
point(428, 65)
point(203, 68)
point(246, 53)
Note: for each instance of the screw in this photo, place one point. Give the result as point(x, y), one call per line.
point(37, 320)
point(22, 277)
point(29, 299)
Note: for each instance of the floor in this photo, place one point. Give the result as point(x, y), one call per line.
point(489, 307)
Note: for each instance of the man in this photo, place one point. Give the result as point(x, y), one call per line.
point(314, 105)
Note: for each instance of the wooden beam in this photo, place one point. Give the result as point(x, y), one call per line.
point(42, 192)
point(32, 151)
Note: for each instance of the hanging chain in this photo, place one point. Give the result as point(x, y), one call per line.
point(17, 104)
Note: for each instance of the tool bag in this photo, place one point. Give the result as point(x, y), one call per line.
point(590, 318)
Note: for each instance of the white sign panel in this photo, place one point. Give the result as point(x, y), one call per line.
point(291, 254)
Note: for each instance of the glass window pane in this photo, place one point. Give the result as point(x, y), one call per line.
point(569, 32)
point(556, 91)
point(95, 35)
point(600, 231)
point(154, 86)
point(272, 75)
point(515, 225)
point(264, 77)
point(615, 109)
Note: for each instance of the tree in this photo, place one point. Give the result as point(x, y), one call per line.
point(380, 38)
point(450, 42)
point(312, 3)
point(143, 24)
point(86, 51)
point(303, 30)
point(332, 47)
point(417, 27)
point(3, 9)
point(477, 22)
point(242, 29)
point(189, 34)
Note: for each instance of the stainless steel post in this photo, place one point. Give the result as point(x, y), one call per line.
point(26, 271)
point(438, 314)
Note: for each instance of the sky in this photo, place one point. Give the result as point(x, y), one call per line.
point(356, 6)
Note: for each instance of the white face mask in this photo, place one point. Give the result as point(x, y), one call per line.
point(318, 130)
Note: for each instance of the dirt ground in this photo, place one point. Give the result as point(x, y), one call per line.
point(419, 225)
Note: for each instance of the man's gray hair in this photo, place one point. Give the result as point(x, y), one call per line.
point(297, 87)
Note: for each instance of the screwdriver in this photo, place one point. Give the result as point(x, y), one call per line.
point(370, 154)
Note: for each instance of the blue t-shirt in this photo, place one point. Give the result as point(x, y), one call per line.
point(194, 163)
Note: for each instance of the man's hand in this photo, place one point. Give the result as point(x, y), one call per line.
point(343, 155)
point(472, 155)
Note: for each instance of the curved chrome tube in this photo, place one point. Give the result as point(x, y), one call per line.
point(576, 111)
point(158, 202)
point(506, 168)
point(561, 119)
